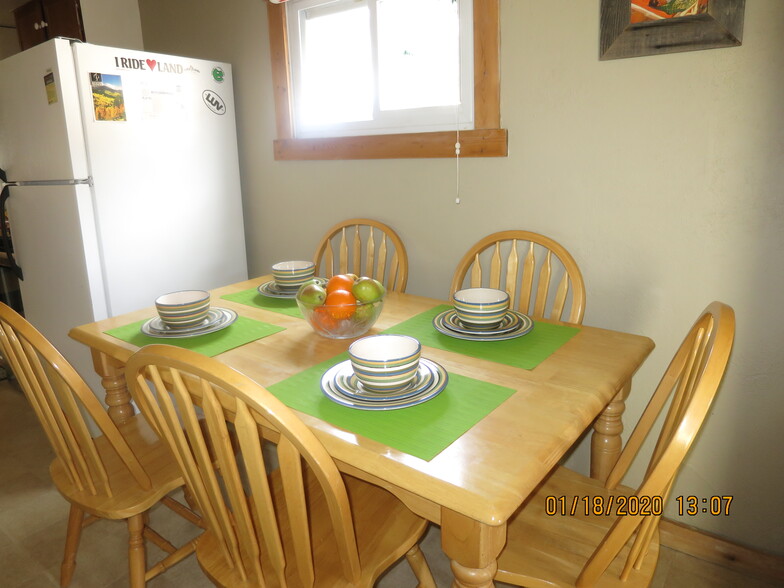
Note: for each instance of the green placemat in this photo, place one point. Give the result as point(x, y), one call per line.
point(423, 430)
point(241, 331)
point(524, 352)
point(252, 298)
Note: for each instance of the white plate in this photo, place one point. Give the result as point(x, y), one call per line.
point(421, 394)
point(272, 289)
point(509, 322)
point(217, 319)
point(525, 325)
point(347, 383)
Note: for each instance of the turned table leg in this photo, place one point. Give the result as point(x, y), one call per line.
point(473, 549)
point(606, 443)
point(118, 399)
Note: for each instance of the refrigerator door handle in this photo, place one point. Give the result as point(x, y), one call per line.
point(86, 181)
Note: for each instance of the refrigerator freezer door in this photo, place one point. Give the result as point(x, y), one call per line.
point(41, 135)
point(162, 148)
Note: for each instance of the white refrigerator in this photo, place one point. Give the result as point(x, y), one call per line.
point(121, 181)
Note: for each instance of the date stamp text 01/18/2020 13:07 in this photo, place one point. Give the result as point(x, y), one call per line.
point(635, 505)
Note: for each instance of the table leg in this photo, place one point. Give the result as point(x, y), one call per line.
point(118, 399)
point(606, 443)
point(473, 549)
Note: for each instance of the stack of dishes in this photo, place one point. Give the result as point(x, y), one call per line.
point(340, 384)
point(482, 314)
point(288, 276)
point(187, 313)
point(384, 372)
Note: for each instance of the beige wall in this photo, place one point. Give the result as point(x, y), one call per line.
point(114, 23)
point(9, 42)
point(662, 175)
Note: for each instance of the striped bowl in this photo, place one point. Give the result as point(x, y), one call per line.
point(183, 309)
point(480, 308)
point(292, 274)
point(385, 363)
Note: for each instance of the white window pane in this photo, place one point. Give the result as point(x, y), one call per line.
point(380, 66)
point(337, 69)
point(418, 53)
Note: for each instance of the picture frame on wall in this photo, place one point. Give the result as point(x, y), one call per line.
point(635, 28)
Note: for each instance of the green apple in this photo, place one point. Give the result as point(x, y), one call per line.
point(312, 293)
point(367, 289)
point(364, 312)
point(317, 281)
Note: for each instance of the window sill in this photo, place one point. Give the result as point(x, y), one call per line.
point(475, 143)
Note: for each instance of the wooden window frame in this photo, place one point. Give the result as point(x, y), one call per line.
point(487, 139)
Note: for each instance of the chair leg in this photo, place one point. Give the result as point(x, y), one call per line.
point(72, 537)
point(190, 499)
point(418, 563)
point(137, 559)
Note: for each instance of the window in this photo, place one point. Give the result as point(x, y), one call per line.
point(384, 111)
point(362, 67)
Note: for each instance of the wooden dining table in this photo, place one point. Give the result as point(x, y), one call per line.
point(473, 484)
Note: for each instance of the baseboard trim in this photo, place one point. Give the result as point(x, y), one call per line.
point(716, 549)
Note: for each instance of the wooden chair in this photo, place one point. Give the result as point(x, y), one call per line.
point(553, 541)
point(119, 474)
point(366, 248)
point(277, 514)
point(494, 262)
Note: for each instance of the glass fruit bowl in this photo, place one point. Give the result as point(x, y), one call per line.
point(341, 321)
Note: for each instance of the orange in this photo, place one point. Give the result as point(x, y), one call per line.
point(322, 321)
point(341, 304)
point(340, 282)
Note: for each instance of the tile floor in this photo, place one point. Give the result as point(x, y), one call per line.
point(33, 518)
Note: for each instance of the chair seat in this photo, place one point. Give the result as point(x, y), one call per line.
point(385, 530)
point(127, 499)
point(551, 550)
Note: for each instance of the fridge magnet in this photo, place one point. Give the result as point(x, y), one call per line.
point(214, 102)
point(51, 88)
point(634, 28)
point(108, 99)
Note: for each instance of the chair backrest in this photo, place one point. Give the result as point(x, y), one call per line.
point(690, 383)
point(364, 247)
point(541, 277)
point(235, 498)
point(64, 403)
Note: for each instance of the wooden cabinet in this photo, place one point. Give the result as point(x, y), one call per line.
point(40, 20)
point(28, 24)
